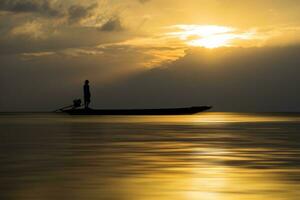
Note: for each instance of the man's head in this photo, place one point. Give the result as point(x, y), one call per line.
point(86, 82)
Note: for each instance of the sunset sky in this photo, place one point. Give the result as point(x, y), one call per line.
point(232, 54)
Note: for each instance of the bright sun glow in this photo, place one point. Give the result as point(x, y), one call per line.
point(209, 36)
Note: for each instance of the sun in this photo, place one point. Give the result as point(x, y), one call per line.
point(209, 36)
point(214, 41)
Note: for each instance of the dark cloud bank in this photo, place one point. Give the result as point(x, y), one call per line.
point(113, 24)
point(76, 12)
point(33, 6)
point(254, 79)
point(265, 79)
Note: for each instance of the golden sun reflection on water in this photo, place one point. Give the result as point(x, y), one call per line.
point(209, 117)
point(212, 182)
point(212, 156)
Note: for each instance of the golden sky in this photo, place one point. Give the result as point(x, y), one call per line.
point(107, 40)
point(84, 27)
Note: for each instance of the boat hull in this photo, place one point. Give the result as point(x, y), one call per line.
point(165, 111)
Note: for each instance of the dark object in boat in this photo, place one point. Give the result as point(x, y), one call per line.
point(163, 111)
point(76, 104)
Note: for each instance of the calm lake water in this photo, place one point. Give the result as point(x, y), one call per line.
point(211, 156)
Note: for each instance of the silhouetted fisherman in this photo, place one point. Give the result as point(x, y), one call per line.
point(87, 94)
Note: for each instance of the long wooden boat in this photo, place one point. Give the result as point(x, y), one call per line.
point(161, 111)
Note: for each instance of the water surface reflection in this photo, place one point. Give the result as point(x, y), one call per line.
point(212, 156)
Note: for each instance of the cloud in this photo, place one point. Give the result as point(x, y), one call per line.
point(143, 1)
point(154, 50)
point(113, 24)
point(33, 29)
point(78, 12)
point(76, 52)
point(38, 54)
point(43, 7)
point(70, 52)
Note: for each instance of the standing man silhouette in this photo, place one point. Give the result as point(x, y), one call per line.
point(87, 94)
